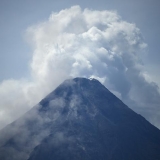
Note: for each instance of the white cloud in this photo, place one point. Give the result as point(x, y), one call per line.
point(86, 43)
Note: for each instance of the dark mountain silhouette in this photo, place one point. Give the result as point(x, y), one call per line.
point(80, 120)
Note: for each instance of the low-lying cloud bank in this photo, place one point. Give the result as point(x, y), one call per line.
point(83, 43)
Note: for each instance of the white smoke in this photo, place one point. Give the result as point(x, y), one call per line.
point(84, 43)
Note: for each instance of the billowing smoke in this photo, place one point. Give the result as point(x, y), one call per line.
point(83, 43)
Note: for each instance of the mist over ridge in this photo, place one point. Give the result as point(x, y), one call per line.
point(84, 43)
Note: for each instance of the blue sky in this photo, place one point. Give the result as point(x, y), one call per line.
point(21, 19)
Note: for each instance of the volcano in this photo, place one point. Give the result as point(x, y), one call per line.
point(80, 120)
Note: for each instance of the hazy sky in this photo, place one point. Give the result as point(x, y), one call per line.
point(24, 25)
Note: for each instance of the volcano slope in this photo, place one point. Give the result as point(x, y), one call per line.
point(80, 120)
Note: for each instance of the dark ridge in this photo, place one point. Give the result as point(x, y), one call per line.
point(80, 120)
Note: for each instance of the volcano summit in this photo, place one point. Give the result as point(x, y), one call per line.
point(80, 120)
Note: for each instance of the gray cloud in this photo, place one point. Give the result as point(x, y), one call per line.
point(86, 43)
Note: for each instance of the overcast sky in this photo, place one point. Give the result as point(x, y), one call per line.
point(27, 26)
